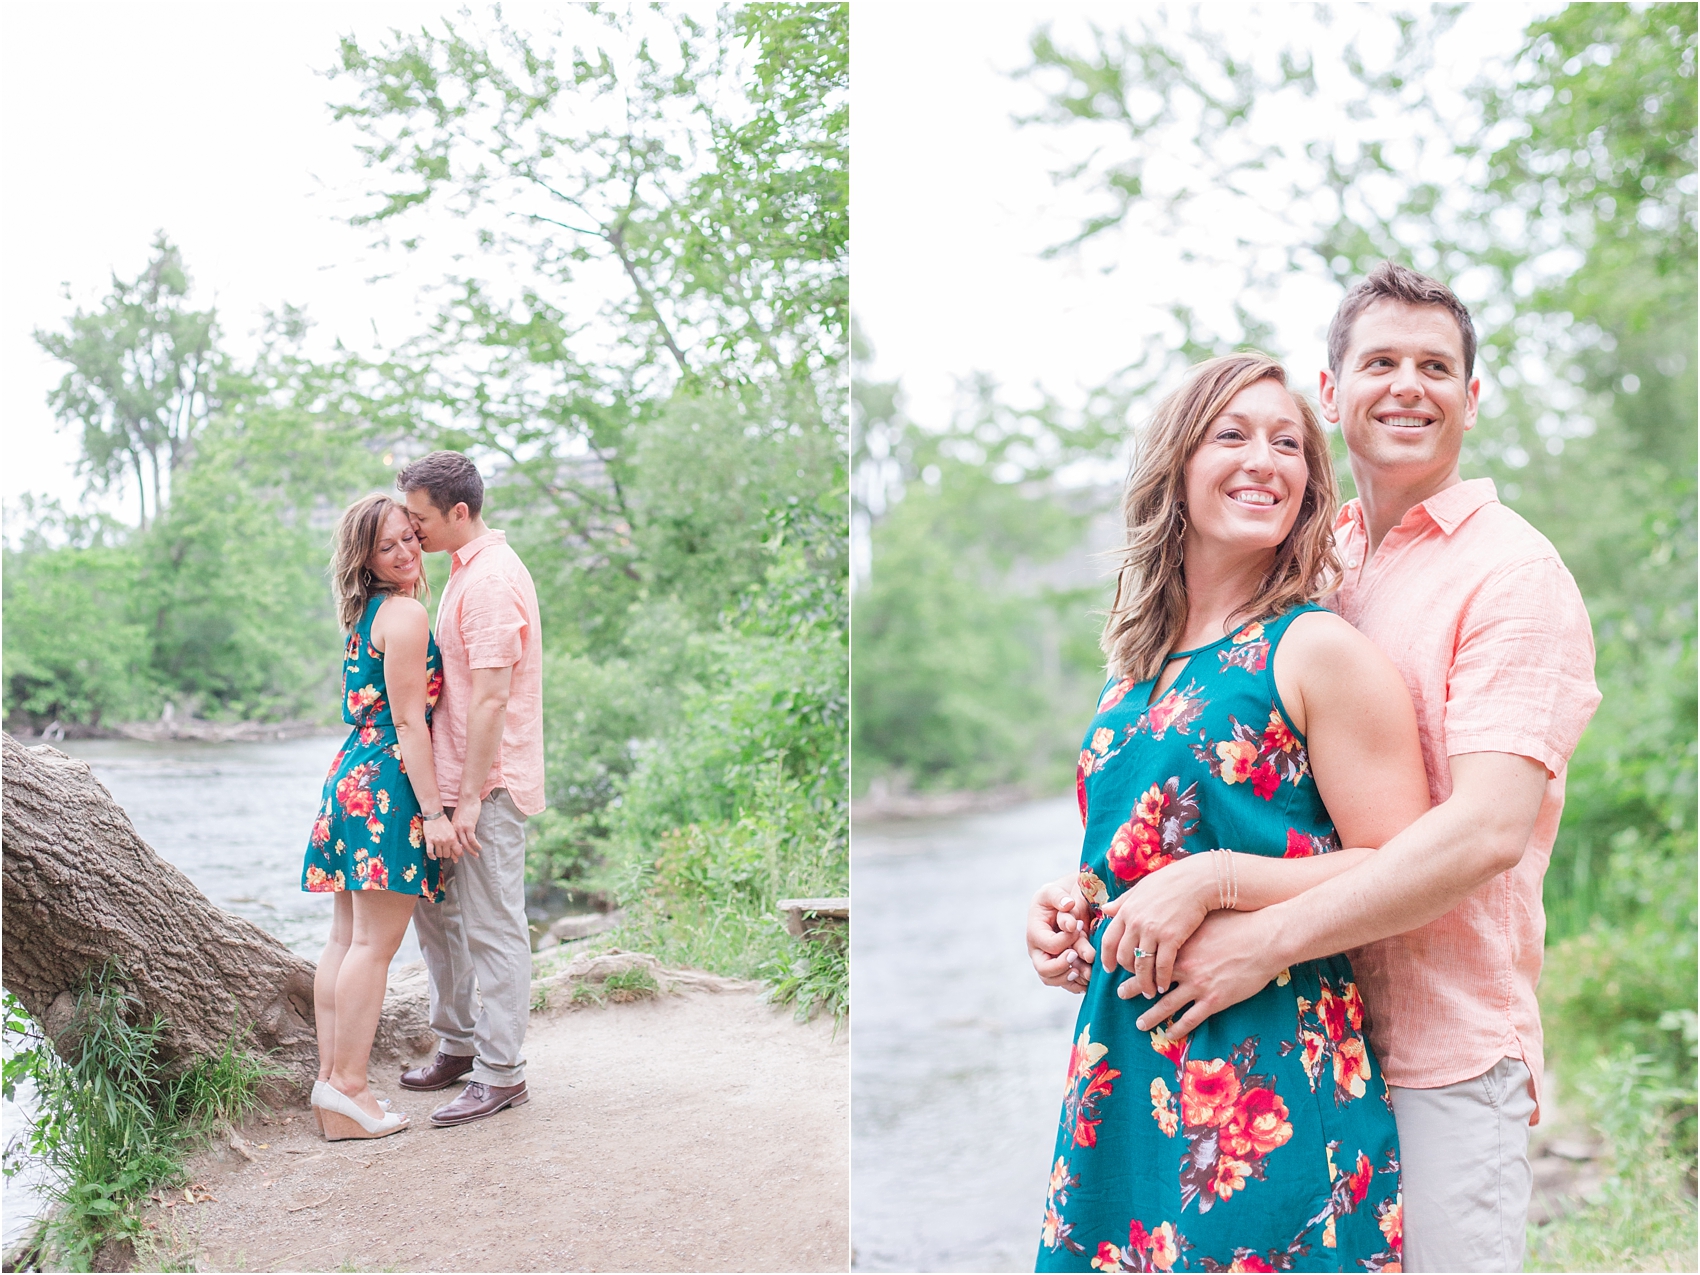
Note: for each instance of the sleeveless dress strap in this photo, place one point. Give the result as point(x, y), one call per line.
point(1273, 631)
point(370, 614)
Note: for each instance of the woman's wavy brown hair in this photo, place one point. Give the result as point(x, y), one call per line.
point(352, 582)
point(1149, 613)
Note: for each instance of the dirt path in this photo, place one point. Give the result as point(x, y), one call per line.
point(699, 1130)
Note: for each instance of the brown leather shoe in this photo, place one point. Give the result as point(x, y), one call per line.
point(478, 1100)
point(441, 1072)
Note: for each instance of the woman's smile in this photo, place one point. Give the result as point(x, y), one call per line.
point(396, 559)
point(1249, 461)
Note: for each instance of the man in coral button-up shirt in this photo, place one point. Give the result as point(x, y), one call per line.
point(487, 741)
point(1444, 922)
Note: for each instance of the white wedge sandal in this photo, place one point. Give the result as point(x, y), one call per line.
point(340, 1116)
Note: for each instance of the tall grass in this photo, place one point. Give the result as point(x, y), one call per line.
point(1643, 1217)
point(111, 1122)
point(706, 894)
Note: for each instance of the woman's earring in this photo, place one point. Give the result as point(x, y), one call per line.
point(1180, 509)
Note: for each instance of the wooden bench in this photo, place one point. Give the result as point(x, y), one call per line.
point(805, 918)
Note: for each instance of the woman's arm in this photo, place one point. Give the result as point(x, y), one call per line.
point(1349, 701)
point(401, 631)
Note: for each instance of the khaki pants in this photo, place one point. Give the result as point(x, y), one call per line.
point(1464, 1149)
point(477, 949)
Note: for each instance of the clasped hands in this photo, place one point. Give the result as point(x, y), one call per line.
point(1191, 956)
point(449, 838)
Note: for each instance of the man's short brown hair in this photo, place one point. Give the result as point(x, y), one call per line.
point(1393, 282)
point(449, 478)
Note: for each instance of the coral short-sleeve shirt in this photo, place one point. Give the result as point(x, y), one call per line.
point(1488, 629)
point(488, 619)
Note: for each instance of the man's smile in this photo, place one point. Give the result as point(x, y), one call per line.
point(1405, 420)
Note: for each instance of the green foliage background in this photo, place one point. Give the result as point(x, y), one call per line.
point(1560, 192)
point(648, 352)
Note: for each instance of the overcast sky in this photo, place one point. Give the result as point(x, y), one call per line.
point(207, 121)
point(952, 203)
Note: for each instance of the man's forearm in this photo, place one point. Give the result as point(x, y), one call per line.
point(485, 720)
point(1425, 871)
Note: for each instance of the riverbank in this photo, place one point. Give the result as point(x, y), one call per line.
point(885, 801)
point(181, 728)
point(698, 1128)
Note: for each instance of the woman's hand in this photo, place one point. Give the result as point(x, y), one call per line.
point(1056, 935)
point(1232, 958)
point(1156, 916)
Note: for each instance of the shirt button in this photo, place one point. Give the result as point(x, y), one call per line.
point(1353, 564)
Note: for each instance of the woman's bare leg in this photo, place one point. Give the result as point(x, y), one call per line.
point(380, 921)
point(324, 979)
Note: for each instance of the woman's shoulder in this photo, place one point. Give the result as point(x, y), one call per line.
point(1315, 627)
point(396, 606)
point(1322, 649)
point(400, 615)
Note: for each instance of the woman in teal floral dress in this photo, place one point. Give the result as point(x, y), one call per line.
point(381, 829)
point(1245, 736)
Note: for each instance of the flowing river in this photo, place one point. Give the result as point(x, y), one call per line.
point(959, 1052)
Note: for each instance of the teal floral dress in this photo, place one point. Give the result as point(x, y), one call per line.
point(1265, 1140)
point(369, 834)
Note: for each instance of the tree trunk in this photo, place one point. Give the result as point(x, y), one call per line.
point(80, 888)
point(141, 488)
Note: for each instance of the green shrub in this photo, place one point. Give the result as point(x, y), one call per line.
point(964, 678)
point(819, 978)
point(76, 648)
point(110, 1123)
point(1643, 1217)
point(1613, 986)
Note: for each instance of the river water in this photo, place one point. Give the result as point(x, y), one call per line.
point(959, 1052)
point(234, 817)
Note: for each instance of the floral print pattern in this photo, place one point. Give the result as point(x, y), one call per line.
point(1248, 650)
point(1264, 758)
point(1231, 1119)
point(369, 832)
point(1330, 1038)
point(1247, 1145)
point(1058, 1233)
point(1113, 694)
point(1089, 1080)
point(1154, 837)
point(1154, 1250)
point(1301, 845)
point(1176, 711)
point(1092, 759)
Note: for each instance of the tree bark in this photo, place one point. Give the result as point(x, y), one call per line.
point(81, 887)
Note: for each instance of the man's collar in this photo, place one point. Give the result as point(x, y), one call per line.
point(472, 548)
point(1448, 509)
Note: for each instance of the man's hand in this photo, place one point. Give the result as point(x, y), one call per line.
point(1227, 960)
point(466, 826)
point(440, 840)
point(1056, 935)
